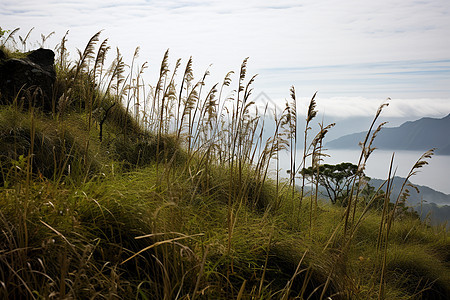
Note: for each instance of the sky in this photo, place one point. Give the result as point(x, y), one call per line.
point(354, 53)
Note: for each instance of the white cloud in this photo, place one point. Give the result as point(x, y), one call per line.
point(357, 106)
point(351, 107)
point(275, 35)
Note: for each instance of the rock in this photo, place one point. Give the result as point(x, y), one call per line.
point(44, 58)
point(30, 78)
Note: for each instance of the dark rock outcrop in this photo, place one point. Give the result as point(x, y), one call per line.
point(30, 79)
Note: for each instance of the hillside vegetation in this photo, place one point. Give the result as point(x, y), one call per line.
point(131, 191)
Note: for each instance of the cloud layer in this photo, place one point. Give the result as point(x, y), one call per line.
point(355, 50)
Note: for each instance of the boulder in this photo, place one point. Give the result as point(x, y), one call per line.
point(31, 79)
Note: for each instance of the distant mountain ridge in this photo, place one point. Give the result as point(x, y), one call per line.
point(428, 203)
point(421, 135)
point(426, 193)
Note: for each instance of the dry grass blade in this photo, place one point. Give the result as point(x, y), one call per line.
point(162, 73)
point(59, 234)
point(62, 53)
point(241, 290)
point(10, 36)
point(421, 162)
point(312, 112)
point(45, 38)
point(288, 287)
point(365, 152)
point(369, 149)
point(227, 79)
point(200, 274)
point(242, 74)
point(160, 243)
point(160, 234)
point(310, 115)
point(100, 59)
point(31, 294)
point(87, 54)
point(24, 40)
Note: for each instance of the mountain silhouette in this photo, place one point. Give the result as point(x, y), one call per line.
point(426, 194)
point(419, 135)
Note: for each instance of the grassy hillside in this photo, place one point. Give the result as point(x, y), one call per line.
point(129, 192)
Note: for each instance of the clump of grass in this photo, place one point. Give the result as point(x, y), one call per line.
point(142, 151)
point(420, 273)
point(52, 150)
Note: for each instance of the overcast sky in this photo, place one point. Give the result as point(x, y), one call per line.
point(355, 53)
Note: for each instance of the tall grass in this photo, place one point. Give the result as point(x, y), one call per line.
point(128, 190)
